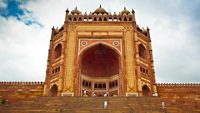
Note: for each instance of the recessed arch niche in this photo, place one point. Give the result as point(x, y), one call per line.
point(100, 61)
point(100, 66)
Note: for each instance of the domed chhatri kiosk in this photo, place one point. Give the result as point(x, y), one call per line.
point(100, 53)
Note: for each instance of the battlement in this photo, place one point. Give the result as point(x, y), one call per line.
point(100, 14)
point(105, 17)
point(178, 84)
point(179, 90)
point(21, 83)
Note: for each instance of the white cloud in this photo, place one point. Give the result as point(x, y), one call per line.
point(3, 4)
point(22, 50)
point(174, 40)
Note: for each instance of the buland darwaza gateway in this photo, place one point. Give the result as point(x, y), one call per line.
point(100, 53)
point(96, 54)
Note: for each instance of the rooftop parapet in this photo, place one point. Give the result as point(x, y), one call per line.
point(100, 14)
point(178, 84)
point(21, 83)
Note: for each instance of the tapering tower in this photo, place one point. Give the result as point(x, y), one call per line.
point(97, 53)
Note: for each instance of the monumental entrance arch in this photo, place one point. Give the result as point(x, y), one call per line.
point(100, 53)
point(99, 70)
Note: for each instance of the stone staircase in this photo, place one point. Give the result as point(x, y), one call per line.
point(96, 105)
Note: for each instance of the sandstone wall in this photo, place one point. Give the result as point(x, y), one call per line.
point(179, 91)
point(15, 91)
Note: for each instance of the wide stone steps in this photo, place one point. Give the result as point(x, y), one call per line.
point(96, 105)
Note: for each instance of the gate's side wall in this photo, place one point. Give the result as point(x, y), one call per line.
point(16, 91)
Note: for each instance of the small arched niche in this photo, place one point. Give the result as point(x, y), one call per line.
point(54, 90)
point(142, 51)
point(145, 90)
point(57, 51)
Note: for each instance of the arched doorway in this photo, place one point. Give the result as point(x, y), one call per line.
point(145, 90)
point(142, 51)
point(54, 90)
point(57, 51)
point(99, 71)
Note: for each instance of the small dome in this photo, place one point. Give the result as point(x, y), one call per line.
point(114, 14)
point(100, 10)
point(125, 11)
point(76, 11)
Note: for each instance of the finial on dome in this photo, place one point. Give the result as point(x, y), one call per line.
point(100, 10)
point(148, 28)
point(126, 12)
point(67, 11)
point(115, 14)
point(133, 12)
point(76, 11)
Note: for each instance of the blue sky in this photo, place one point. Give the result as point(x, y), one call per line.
point(25, 27)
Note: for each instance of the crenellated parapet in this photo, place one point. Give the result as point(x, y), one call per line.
point(21, 83)
point(99, 15)
point(179, 90)
point(178, 84)
point(14, 91)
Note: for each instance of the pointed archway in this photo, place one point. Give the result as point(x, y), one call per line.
point(99, 70)
point(145, 90)
point(54, 90)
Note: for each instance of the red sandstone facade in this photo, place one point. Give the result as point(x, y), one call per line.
point(96, 54)
point(16, 91)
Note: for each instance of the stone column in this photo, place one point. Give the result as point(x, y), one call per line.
point(129, 61)
point(70, 57)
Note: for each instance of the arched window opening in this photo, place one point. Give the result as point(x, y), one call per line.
point(95, 19)
point(56, 70)
point(89, 84)
point(113, 84)
point(95, 86)
point(142, 51)
point(100, 85)
point(110, 85)
point(141, 69)
point(54, 90)
point(58, 51)
point(86, 84)
point(83, 83)
point(145, 90)
point(116, 83)
point(104, 85)
point(125, 19)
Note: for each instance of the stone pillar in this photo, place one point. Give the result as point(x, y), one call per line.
point(129, 61)
point(70, 57)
